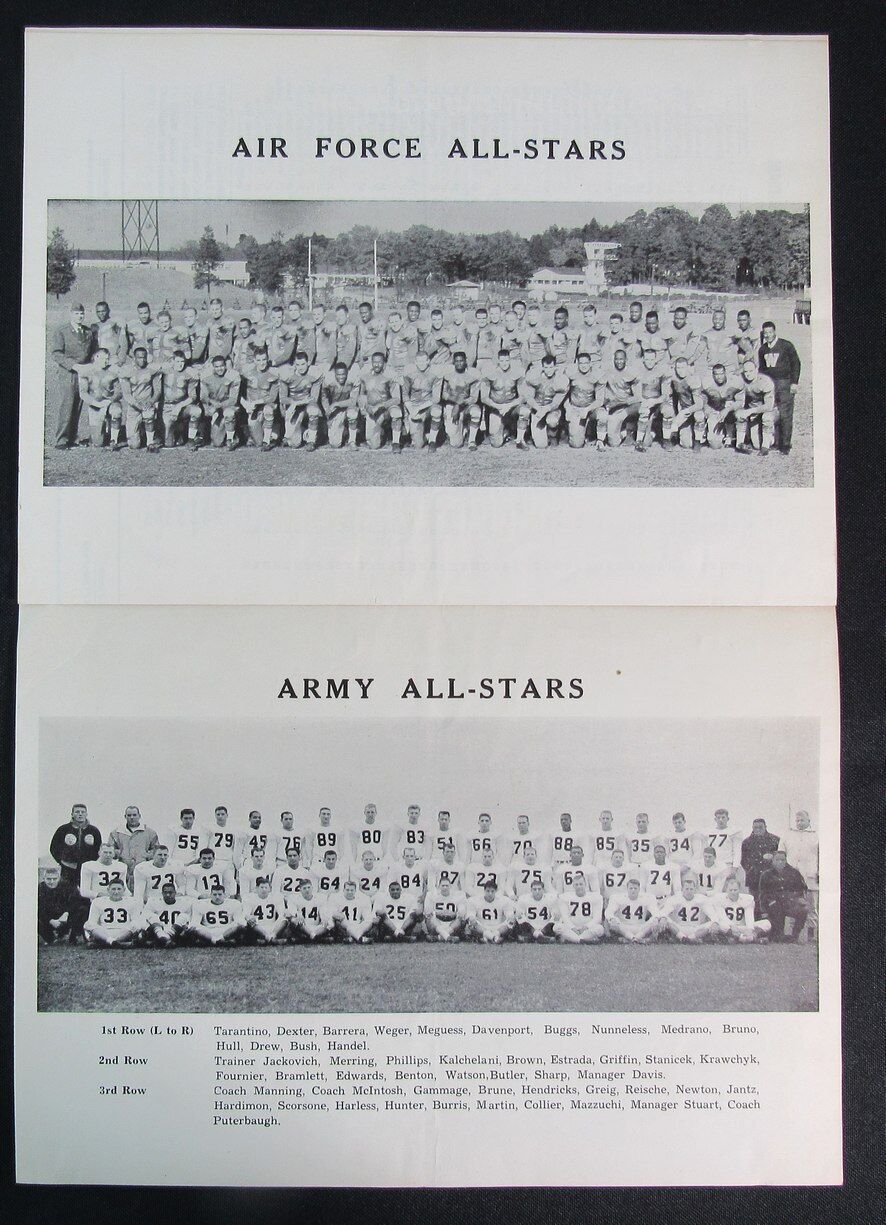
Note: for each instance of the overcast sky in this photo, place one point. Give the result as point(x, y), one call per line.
point(95, 224)
point(541, 766)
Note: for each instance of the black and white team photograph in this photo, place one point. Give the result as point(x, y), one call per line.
point(428, 865)
point(238, 343)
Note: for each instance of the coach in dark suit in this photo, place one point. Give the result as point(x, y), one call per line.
point(778, 359)
point(783, 896)
point(70, 345)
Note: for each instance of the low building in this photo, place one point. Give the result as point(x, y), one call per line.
point(465, 291)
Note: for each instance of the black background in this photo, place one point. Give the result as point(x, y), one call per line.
point(857, 114)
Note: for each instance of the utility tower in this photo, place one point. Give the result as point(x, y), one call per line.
point(140, 230)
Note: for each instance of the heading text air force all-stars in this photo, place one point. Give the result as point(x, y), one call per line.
point(286, 377)
point(294, 881)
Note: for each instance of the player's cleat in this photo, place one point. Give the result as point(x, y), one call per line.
point(267, 446)
point(233, 445)
point(153, 447)
point(195, 446)
point(696, 446)
point(639, 446)
point(310, 446)
point(61, 446)
point(764, 451)
point(396, 448)
point(352, 445)
point(432, 446)
point(742, 448)
point(599, 445)
point(666, 444)
point(522, 444)
point(472, 446)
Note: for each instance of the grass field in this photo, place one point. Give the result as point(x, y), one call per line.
point(431, 978)
point(559, 466)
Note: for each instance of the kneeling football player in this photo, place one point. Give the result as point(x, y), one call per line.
point(581, 914)
point(167, 916)
point(114, 920)
point(217, 919)
point(490, 918)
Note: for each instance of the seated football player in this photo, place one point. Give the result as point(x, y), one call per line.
point(487, 872)
point(444, 913)
point(114, 920)
point(566, 873)
point(489, 917)
point(681, 843)
point(151, 875)
point(167, 916)
point(202, 877)
point(414, 833)
point(217, 919)
point(369, 835)
point(265, 913)
point(523, 874)
point(446, 868)
point(250, 873)
point(536, 912)
point(410, 873)
point(310, 914)
point(354, 915)
point(581, 915)
point(737, 922)
point(608, 839)
point(289, 877)
point(97, 874)
point(632, 916)
point(482, 840)
point(397, 912)
point(660, 875)
point(690, 916)
point(370, 874)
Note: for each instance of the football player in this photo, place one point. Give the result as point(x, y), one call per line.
point(220, 401)
point(684, 411)
point(614, 873)
point(369, 875)
point(328, 876)
point(756, 406)
point(217, 919)
point(370, 334)
point(149, 877)
point(279, 339)
point(500, 397)
point(179, 387)
point(141, 330)
point(310, 913)
point(109, 334)
point(580, 404)
point(515, 844)
point(380, 403)
point(483, 840)
point(421, 398)
point(167, 916)
point(197, 336)
point(681, 843)
point(606, 840)
point(632, 916)
point(140, 393)
point(581, 915)
point(255, 838)
point(397, 912)
point(542, 398)
point(617, 398)
point(410, 872)
point(414, 833)
point(370, 834)
point(444, 836)
point(114, 920)
point(220, 837)
point(478, 875)
point(444, 913)
point(689, 916)
point(265, 913)
point(661, 877)
point(260, 399)
point(565, 874)
point(560, 341)
point(338, 400)
point(446, 868)
point(324, 836)
point(721, 395)
point(716, 343)
point(737, 922)
point(725, 841)
point(536, 913)
point(101, 393)
point(561, 842)
point(258, 867)
point(97, 874)
point(656, 395)
point(354, 915)
point(289, 838)
point(458, 393)
point(325, 338)
point(202, 877)
point(489, 916)
point(289, 877)
point(300, 385)
point(524, 874)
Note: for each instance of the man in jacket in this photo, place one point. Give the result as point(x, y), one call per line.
point(779, 360)
point(783, 896)
point(74, 843)
point(71, 346)
point(134, 843)
point(756, 854)
point(61, 910)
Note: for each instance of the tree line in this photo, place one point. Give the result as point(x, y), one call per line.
point(669, 245)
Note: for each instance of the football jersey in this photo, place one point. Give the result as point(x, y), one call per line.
point(682, 342)
point(401, 346)
point(657, 341)
point(328, 881)
point(111, 335)
point(725, 842)
point(441, 838)
point(177, 385)
point(370, 338)
point(358, 909)
point(103, 384)
point(746, 345)
point(297, 387)
point(147, 878)
point(613, 879)
point(421, 386)
point(681, 846)
point(140, 384)
point(640, 846)
point(445, 909)
point(561, 345)
point(219, 391)
point(565, 874)
point(718, 396)
point(287, 882)
point(513, 342)
point(184, 844)
point(309, 911)
point(397, 910)
point(379, 389)
point(368, 838)
point(661, 880)
point(717, 347)
point(198, 341)
point(521, 876)
point(323, 838)
point(632, 912)
point(477, 843)
point(439, 870)
point(221, 337)
point(619, 385)
point(689, 914)
point(243, 350)
point(141, 335)
point(459, 388)
point(227, 913)
point(561, 843)
point(759, 394)
point(685, 390)
point(346, 343)
point(410, 880)
point(514, 845)
point(740, 911)
point(416, 836)
point(335, 396)
point(502, 386)
point(477, 876)
point(589, 339)
point(199, 882)
point(583, 387)
point(95, 877)
point(581, 911)
point(171, 914)
point(290, 840)
point(546, 391)
point(370, 882)
point(250, 840)
point(604, 843)
point(113, 916)
point(260, 387)
point(221, 839)
point(543, 910)
point(249, 874)
point(280, 342)
point(499, 910)
point(487, 343)
point(439, 344)
point(168, 340)
point(269, 909)
point(712, 880)
point(655, 384)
